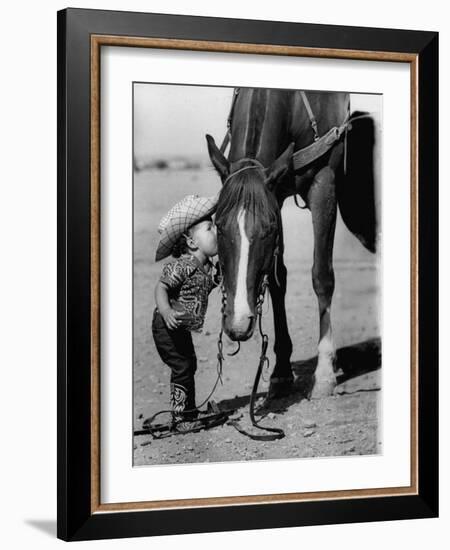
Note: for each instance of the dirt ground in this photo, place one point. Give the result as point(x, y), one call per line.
point(346, 423)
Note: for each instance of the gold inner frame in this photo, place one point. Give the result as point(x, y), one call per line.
point(97, 41)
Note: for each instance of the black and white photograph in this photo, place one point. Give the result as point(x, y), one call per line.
point(257, 295)
point(224, 235)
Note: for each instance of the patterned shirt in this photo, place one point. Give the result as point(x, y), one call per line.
point(189, 284)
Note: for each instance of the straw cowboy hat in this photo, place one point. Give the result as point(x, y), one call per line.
point(185, 213)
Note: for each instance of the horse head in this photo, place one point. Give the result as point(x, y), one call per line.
point(248, 221)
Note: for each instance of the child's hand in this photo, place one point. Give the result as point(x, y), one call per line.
point(170, 317)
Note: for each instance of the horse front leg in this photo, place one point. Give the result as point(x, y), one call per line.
point(281, 379)
point(322, 203)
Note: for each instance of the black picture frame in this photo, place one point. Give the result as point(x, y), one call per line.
point(76, 518)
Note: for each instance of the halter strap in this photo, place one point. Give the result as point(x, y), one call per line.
point(257, 165)
point(241, 170)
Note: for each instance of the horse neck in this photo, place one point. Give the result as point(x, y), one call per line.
point(259, 124)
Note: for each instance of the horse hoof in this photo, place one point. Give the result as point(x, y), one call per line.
point(279, 387)
point(323, 389)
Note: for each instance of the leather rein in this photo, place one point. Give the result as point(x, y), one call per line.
point(276, 433)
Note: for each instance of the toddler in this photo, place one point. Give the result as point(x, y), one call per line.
point(181, 294)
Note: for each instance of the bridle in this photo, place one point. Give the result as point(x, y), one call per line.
point(276, 433)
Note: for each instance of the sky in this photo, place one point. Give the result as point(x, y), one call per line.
point(172, 119)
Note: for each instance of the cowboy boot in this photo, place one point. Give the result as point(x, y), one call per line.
point(181, 401)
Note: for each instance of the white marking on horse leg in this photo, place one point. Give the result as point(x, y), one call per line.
point(325, 377)
point(241, 308)
point(326, 356)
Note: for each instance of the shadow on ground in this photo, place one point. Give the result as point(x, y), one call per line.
point(351, 362)
point(47, 526)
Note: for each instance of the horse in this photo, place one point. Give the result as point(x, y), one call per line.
point(267, 128)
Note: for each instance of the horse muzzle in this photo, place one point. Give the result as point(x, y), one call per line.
point(238, 329)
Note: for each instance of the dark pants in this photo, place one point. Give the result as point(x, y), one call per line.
point(176, 349)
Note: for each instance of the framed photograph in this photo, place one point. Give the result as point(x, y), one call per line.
point(247, 274)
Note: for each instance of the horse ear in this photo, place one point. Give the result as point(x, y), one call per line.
point(280, 166)
point(219, 161)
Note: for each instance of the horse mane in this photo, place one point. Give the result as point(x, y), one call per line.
point(247, 190)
